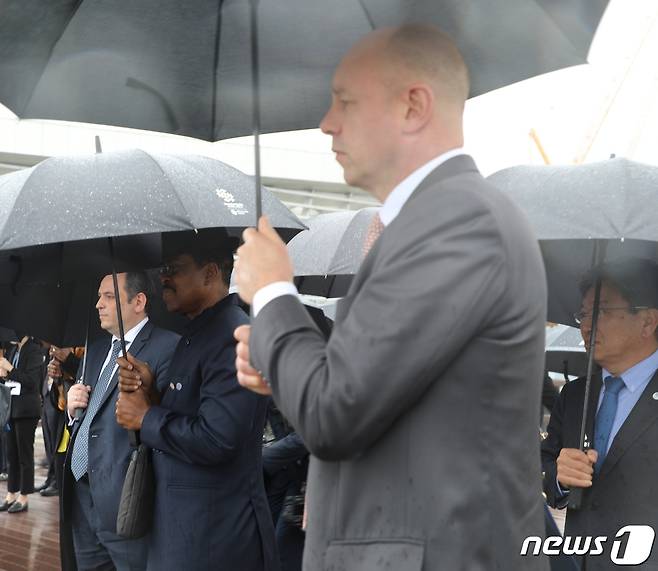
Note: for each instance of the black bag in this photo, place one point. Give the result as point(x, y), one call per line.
point(5, 405)
point(135, 515)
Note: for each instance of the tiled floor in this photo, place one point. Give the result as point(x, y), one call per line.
point(29, 541)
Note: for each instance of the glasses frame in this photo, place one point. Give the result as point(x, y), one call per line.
point(170, 270)
point(581, 316)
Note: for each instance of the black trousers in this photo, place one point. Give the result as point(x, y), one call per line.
point(20, 455)
point(3, 451)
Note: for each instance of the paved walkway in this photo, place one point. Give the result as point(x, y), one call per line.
point(29, 541)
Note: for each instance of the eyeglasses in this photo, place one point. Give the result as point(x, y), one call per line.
point(581, 316)
point(170, 270)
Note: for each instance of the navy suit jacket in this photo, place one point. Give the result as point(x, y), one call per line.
point(109, 446)
point(211, 510)
point(624, 492)
point(29, 373)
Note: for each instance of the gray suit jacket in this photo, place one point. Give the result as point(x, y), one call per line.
point(421, 409)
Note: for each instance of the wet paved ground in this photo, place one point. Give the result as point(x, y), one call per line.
point(29, 541)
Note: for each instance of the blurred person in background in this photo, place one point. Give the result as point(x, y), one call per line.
point(60, 376)
point(24, 365)
point(3, 445)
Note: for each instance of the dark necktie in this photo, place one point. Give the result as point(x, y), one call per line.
point(605, 418)
point(14, 359)
point(80, 453)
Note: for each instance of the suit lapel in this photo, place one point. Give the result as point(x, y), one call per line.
point(95, 363)
point(134, 349)
point(11, 353)
point(452, 167)
point(643, 415)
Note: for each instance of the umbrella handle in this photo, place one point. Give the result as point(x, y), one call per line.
point(79, 411)
point(575, 498)
point(133, 436)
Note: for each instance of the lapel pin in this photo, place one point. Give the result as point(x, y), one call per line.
point(171, 386)
point(654, 396)
point(179, 387)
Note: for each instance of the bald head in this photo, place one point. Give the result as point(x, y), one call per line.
point(398, 101)
point(422, 52)
point(418, 53)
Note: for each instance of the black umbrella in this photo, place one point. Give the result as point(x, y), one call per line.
point(573, 208)
point(184, 67)
point(126, 194)
point(582, 216)
point(56, 217)
point(327, 255)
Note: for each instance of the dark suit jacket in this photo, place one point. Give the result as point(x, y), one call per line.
point(109, 446)
point(211, 510)
point(626, 489)
point(29, 372)
point(420, 412)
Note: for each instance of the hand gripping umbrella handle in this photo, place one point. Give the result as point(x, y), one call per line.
point(575, 498)
point(79, 411)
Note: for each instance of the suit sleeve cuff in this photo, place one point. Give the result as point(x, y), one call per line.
point(562, 496)
point(151, 425)
point(561, 492)
point(271, 291)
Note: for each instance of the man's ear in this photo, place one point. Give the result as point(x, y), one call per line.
point(650, 323)
point(420, 101)
point(141, 300)
point(210, 273)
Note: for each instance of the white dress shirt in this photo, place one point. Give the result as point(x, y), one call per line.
point(389, 210)
point(129, 336)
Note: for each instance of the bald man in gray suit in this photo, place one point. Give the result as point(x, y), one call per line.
point(420, 410)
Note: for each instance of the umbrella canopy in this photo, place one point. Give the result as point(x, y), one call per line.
point(327, 255)
point(183, 67)
point(55, 218)
point(127, 193)
point(565, 353)
point(571, 208)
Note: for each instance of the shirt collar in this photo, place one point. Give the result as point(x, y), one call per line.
point(131, 334)
point(401, 193)
point(639, 374)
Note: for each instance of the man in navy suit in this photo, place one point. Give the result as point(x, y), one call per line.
point(211, 510)
point(618, 473)
point(99, 452)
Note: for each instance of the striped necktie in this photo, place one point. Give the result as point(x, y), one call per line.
point(80, 453)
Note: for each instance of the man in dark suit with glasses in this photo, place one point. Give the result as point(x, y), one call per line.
point(619, 470)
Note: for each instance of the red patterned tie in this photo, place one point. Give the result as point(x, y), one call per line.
point(375, 228)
